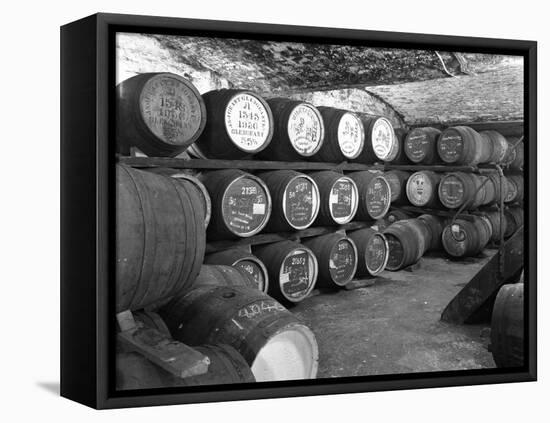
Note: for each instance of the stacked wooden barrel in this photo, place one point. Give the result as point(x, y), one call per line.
point(463, 238)
point(408, 240)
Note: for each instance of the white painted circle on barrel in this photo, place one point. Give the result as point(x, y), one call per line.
point(305, 129)
point(343, 200)
point(248, 122)
point(351, 135)
point(420, 189)
point(383, 139)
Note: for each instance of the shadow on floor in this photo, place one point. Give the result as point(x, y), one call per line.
point(51, 387)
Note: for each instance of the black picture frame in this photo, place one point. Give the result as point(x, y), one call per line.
point(87, 204)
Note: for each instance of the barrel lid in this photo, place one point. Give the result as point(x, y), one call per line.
point(306, 130)
point(383, 139)
point(172, 109)
point(416, 145)
point(454, 239)
point(343, 261)
point(378, 196)
point(452, 191)
point(343, 200)
point(351, 135)
point(396, 252)
point(298, 273)
point(248, 122)
point(301, 202)
point(256, 269)
point(450, 145)
point(420, 189)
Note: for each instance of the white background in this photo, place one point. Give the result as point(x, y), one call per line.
point(30, 209)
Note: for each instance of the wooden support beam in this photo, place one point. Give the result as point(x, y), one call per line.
point(485, 284)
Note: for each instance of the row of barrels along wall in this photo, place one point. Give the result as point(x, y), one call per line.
point(163, 114)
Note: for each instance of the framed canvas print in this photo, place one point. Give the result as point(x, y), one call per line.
point(256, 211)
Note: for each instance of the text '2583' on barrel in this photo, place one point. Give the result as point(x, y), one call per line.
point(295, 200)
point(339, 198)
point(292, 267)
point(159, 113)
point(299, 131)
point(241, 203)
point(275, 344)
point(239, 124)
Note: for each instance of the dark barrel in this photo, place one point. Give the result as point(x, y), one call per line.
point(435, 226)
point(201, 189)
point(292, 269)
point(298, 132)
point(420, 145)
point(494, 218)
point(498, 146)
point(222, 275)
point(374, 194)
point(408, 240)
point(159, 113)
point(372, 251)
point(507, 327)
point(339, 198)
point(398, 184)
point(514, 219)
point(461, 145)
point(241, 203)
point(295, 200)
point(239, 124)
point(337, 258)
point(381, 144)
point(160, 237)
point(274, 343)
point(459, 189)
point(466, 238)
point(516, 189)
point(134, 371)
point(422, 189)
point(344, 136)
point(243, 261)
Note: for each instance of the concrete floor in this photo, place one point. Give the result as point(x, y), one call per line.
point(394, 326)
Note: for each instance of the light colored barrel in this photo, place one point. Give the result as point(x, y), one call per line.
point(295, 199)
point(422, 189)
point(241, 203)
point(339, 198)
point(274, 343)
point(381, 143)
point(498, 145)
point(292, 267)
point(159, 113)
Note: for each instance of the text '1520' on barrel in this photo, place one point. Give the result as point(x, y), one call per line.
point(159, 113)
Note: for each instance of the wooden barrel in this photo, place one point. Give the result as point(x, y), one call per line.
point(372, 251)
point(337, 258)
point(243, 261)
point(465, 238)
point(201, 189)
point(400, 157)
point(241, 203)
point(498, 146)
point(222, 275)
point(160, 237)
point(159, 113)
point(339, 198)
point(374, 194)
point(515, 156)
point(420, 145)
point(507, 327)
point(422, 187)
point(518, 161)
point(150, 319)
point(514, 220)
point(461, 145)
point(239, 124)
point(515, 189)
point(134, 371)
point(292, 269)
point(274, 343)
point(398, 184)
point(494, 219)
point(381, 143)
point(344, 136)
point(299, 131)
point(295, 200)
point(435, 226)
point(458, 188)
point(408, 240)
point(396, 214)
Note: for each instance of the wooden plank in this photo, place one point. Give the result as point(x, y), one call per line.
point(259, 239)
point(435, 212)
point(173, 356)
point(486, 283)
point(359, 283)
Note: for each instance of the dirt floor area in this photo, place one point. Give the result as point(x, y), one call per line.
point(394, 325)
